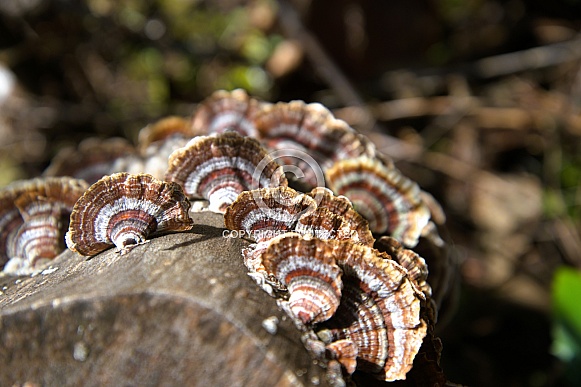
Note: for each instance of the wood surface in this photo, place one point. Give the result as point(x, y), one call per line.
point(179, 310)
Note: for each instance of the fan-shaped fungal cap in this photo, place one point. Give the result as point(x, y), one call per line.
point(40, 237)
point(218, 168)
point(226, 110)
point(323, 224)
point(314, 127)
point(296, 128)
point(123, 210)
point(92, 159)
point(267, 212)
point(360, 320)
point(388, 200)
point(340, 205)
point(345, 351)
point(31, 213)
point(163, 130)
point(157, 142)
point(10, 220)
point(308, 270)
point(383, 307)
point(411, 261)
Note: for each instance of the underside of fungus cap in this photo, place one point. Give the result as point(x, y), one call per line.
point(391, 203)
point(226, 110)
point(123, 210)
point(219, 167)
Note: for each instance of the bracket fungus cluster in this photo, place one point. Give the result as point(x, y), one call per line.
point(364, 305)
point(95, 158)
point(346, 161)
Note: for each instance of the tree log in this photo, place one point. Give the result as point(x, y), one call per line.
point(179, 310)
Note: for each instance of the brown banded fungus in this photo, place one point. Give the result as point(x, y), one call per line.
point(361, 310)
point(388, 200)
point(124, 210)
point(342, 206)
point(220, 167)
point(376, 315)
point(93, 158)
point(157, 141)
point(267, 212)
point(314, 128)
point(310, 274)
point(410, 260)
point(165, 129)
point(223, 110)
point(376, 320)
point(34, 216)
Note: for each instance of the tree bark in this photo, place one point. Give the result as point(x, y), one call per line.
point(179, 310)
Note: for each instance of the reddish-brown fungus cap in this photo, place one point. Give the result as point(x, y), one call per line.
point(300, 132)
point(378, 288)
point(314, 127)
point(340, 205)
point(411, 261)
point(164, 129)
point(324, 224)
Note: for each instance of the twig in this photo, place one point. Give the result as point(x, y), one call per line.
point(508, 118)
point(494, 66)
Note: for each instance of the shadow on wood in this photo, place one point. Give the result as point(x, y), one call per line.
point(179, 310)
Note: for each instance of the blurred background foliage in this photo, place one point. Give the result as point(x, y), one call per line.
point(479, 101)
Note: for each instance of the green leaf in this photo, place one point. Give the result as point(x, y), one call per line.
point(567, 296)
point(566, 304)
point(567, 323)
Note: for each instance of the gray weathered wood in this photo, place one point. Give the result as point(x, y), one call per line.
point(179, 310)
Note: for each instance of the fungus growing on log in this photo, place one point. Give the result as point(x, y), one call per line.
point(378, 310)
point(310, 274)
point(223, 110)
point(360, 309)
point(220, 167)
point(389, 201)
point(34, 216)
point(92, 159)
point(124, 210)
